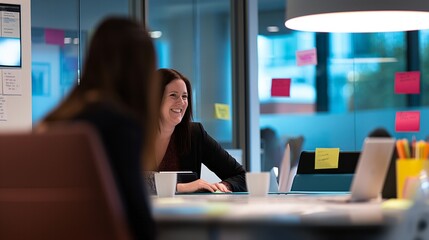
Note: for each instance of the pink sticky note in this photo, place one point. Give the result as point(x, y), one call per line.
point(54, 36)
point(407, 121)
point(306, 57)
point(407, 82)
point(280, 87)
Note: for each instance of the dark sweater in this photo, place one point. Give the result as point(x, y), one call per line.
point(122, 139)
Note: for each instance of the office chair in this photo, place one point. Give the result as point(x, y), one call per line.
point(58, 185)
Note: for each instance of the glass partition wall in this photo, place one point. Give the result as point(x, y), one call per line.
point(343, 96)
point(194, 37)
point(335, 101)
point(191, 36)
point(60, 30)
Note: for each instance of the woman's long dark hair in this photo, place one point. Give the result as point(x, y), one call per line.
point(182, 134)
point(120, 68)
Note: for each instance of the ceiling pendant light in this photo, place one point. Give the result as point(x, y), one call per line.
point(357, 15)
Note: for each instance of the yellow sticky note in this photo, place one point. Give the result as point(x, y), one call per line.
point(222, 111)
point(326, 158)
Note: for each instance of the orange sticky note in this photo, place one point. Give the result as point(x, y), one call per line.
point(306, 57)
point(280, 87)
point(407, 121)
point(407, 82)
point(326, 158)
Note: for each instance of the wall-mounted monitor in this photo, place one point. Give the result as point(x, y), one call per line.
point(10, 35)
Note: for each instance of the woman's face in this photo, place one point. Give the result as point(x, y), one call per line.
point(174, 102)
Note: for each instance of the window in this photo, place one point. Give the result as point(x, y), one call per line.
point(362, 70)
point(277, 59)
point(194, 38)
point(60, 31)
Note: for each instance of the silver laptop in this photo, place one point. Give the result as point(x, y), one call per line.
point(370, 172)
point(371, 169)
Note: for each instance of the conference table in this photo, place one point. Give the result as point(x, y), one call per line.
point(286, 216)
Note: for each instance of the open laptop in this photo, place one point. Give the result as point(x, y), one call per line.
point(371, 170)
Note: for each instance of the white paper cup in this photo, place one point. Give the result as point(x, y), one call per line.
point(258, 183)
point(165, 183)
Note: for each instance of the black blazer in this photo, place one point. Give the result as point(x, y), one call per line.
point(204, 149)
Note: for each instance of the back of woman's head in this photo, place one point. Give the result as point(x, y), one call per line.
point(121, 64)
point(120, 67)
point(379, 132)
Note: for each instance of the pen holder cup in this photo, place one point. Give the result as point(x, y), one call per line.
point(406, 170)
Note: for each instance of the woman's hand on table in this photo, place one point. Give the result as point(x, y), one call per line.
point(199, 185)
point(221, 187)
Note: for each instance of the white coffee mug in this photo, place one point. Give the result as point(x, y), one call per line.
point(258, 183)
point(165, 183)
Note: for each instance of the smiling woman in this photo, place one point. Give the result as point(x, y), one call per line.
point(183, 145)
point(174, 103)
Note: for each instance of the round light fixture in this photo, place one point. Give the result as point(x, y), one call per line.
point(357, 15)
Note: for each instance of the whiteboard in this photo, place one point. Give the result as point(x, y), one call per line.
point(15, 79)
